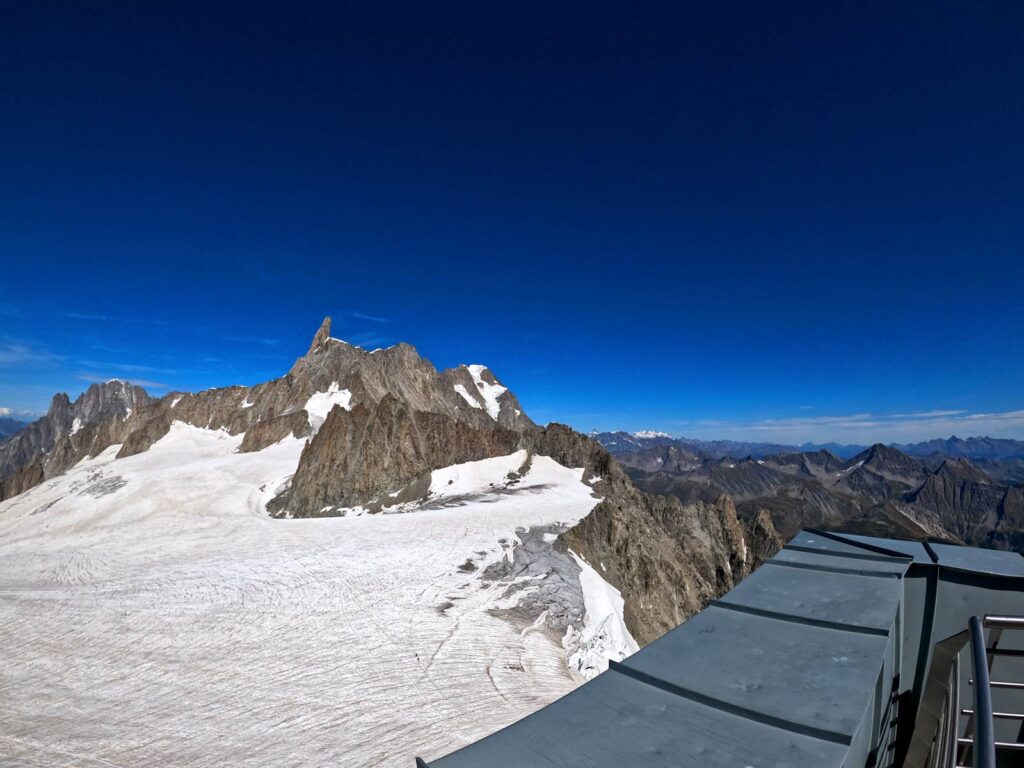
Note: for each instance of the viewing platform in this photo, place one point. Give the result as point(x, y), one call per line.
point(842, 651)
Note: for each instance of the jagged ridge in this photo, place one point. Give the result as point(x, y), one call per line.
point(378, 422)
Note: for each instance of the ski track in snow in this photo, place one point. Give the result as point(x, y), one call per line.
point(169, 621)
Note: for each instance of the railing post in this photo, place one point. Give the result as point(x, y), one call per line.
point(984, 747)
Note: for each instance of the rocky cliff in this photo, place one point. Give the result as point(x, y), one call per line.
point(668, 559)
point(376, 423)
point(100, 417)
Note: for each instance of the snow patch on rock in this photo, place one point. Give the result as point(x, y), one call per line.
point(489, 392)
point(475, 477)
point(321, 403)
point(466, 396)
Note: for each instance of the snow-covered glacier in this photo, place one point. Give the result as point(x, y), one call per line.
point(151, 613)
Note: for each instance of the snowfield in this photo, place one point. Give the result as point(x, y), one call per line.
point(152, 614)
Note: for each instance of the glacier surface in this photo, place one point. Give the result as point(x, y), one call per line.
point(151, 613)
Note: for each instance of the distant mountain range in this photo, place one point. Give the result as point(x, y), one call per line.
point(10, 426)
point(953, 447)
point(965, 491)
point(970, 448)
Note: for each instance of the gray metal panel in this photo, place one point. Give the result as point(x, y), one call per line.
point(914, 549)
point(829, 543)
point(860, 601)
point(814, 677)
point(991, 561)
point(615, 720)
point(826, 562)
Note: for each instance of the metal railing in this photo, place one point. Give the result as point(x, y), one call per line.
point(982, 744)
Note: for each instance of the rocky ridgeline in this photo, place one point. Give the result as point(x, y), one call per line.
point(879, 491)
point(102, 416)
point(118, 413)
point(378, 423)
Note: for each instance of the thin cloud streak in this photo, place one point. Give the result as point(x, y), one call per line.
point(371, 318)
point(91, 317)
point(126, 367)
point(13, 353)
point(251, 340)
point(20, 415)
point(863, 428)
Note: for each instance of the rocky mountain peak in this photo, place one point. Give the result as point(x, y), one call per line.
point(68, 432)
point(60, 403)
point(880, 456)
point(322, 336)
point(109, 399)
point(961, 468)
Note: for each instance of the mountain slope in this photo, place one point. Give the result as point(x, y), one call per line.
point(880, 491)
point(455, 563)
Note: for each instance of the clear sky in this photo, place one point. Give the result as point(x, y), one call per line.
point(786, 221)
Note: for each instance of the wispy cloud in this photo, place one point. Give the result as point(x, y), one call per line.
point(864, 427)
point(126, 367)
point(371, 318)
point(14, 353)
point(924, 414)
point(21, 415)
point(93, 317)
point(267, 342)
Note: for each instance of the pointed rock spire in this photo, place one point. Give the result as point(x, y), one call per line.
point(61, 403)
point(321, 336)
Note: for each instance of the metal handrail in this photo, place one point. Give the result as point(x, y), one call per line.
point(1004, 622)
point(984, 747)
point(997, 715)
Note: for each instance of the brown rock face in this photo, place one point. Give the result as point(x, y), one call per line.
point(359, 455)
point(142, 437)
point(669, 560)
point(265, 433)
point(322, 336)
point(27, 476)
point(666, 558)
point(69, 432)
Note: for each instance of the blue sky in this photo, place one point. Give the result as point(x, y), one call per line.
point(715, 219)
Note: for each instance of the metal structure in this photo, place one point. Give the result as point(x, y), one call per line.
point(845, 651)
point(978, 740)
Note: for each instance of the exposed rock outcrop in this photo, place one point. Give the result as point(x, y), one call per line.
point(668, 559)
point(358, 456)
point(379, 422)
point(267, 412)
point(261, 434)
point(69, 432)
